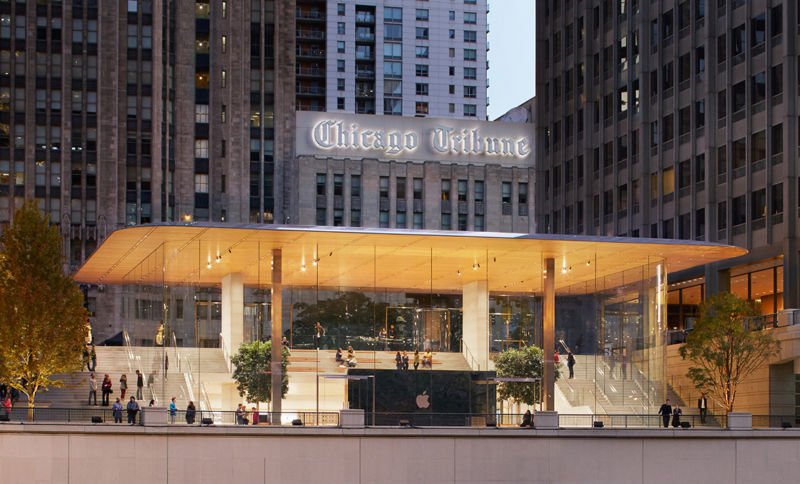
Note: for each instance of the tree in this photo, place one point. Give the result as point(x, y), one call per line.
point(42, 317)
point(526, 362)
point(253, 373)
point(722, 348)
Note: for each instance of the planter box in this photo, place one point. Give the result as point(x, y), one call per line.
point(351, 418)
point(546, 420)
point(153, 415)
point(740, 420)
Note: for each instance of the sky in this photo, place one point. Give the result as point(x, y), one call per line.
point(512, 40)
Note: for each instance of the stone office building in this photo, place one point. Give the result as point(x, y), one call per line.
point(414, 173)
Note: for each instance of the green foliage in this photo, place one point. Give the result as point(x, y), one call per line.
point(253, 371)
point(42, 318)
point(526, 362)
point(723, 350)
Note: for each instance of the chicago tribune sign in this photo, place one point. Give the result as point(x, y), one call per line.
point(412, 138)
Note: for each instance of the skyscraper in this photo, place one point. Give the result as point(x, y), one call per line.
point(675, 119)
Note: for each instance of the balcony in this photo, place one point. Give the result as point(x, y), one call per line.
point(365, 18)
point(365, 37)
point(313, 53)
point(310, 90)
point(365, 56)
point(365, 74)
point(309, 71)
point(303, 34)
point(310, 15)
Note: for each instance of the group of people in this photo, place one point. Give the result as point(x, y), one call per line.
point(402, 361)
point(667, 410)
point(242, 415)
point(89, 357)
point(107, 390)
point(570, 362)
point(350, 361)
point(132, 409)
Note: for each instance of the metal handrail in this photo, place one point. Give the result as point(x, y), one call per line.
point(225, 353)
point(474, 363)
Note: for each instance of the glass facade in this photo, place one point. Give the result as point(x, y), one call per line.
point(385, 300)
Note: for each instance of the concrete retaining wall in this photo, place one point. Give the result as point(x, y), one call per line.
point(122, 454)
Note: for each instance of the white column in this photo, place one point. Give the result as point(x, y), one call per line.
point(232, 312)
point(475, 334)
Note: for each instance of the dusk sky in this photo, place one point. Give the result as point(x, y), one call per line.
point(512, 38)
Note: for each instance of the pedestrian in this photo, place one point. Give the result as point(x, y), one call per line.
point(106, 389)
point(173, 411)
point(123, 385)
point(139, 384)
point(666, 412)
point(702, 405)
point(85, 358)
point(152, 403)
point(398, 360)
point(319, 333)
point(93, 359)
point(416, 358)
point(14, 394)
point(285, 342)
point(527, 419)
point(5, 403)
point(191, 411)
point(239, 415)
point(571, 364)
point(254, 413)
point(405, 360)
point(116, 410)
point(133, 408)
point(3, 391)
point(166, 365)
point(555, 359)
point(676, 416)
point(92, 389)
point(624, 363)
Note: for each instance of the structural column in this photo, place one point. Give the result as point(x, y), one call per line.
point(232, 312)
point(475, 334)
point(548, 332)
point(276, 307)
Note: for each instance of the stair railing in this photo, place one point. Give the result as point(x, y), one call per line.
point(473, 363)
point(225, 353)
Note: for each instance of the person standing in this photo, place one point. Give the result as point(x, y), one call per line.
point(571, 364)
point(116, 410)
point(123, 385)
point(666, 412)
point(254, 413)
point(139, 384)
point(398, 360)
point(676, 416)
point(702, 405)
point(85, 358)
point(173, 411)
point(93, 359)
point(239, 415)
point(319, 332)
point(416, 358)
point(106, 389)
point(92, 389)
point(405, 360)
point(191, 411)
point(133, 408)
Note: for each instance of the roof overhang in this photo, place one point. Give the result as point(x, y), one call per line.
point(386, 259)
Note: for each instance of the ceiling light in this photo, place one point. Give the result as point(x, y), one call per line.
point(303, 268)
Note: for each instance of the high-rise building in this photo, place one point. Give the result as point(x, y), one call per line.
point(121, 113)
point(678, 120)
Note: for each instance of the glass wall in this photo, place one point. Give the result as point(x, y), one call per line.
point(388, 305)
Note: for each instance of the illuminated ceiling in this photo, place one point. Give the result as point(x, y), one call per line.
point(397, 260)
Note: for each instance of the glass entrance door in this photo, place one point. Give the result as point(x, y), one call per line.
point(207, 324)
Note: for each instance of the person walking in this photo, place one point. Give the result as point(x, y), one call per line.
point(106, 389)
point(116, 410)
point(139, 384)
point(666, 412)
point(571, 364)
point(92, 389)
point(93, 359)
point(85, 358)
point(173, 411)
point(319, 333)
point(416, 358)
point(702, 405)
point(123, 385)
point(133, 408)
point(191, 411)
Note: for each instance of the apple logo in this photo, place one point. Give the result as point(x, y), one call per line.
point(422, 400)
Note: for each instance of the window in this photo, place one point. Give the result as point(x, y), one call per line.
point(522, 198)
point(758, 147)
point(470, 73)
point(776, 199)
point(739, 96)
point(721, 50)
point(446, 222)
point(776, 141)
point(758, 88)
point(422, 51)
point(340, 46)
point(776, 80)
point(470, 110)
point(422, 14)
point(224, 43)
point(470, 36)
point(739, 157)
point(200, 183)
point(392, 107)
point(470, 18)
point(758, 204)
point(201, 148)
point(417, 185)
point(667, 25)
point(445, 189)
point(392, 51)
point(340, 9)
point(470, 91)
point(470, 54)
point(700, 113)
point(201, 113)
point(722, 215)
point(340, 28)
point(669, 127)
point(422, 108)
point(451, 34)
point(392, 69)
point(339, 103)
point(340, 65)
point(422, 89)
point(738, 43)
point(776, 20)
point(422, 70)
point(392, 88)
point(340, 84)
point(223, 79)
point(462, 190)
point(422, 33)
point(758, 29)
